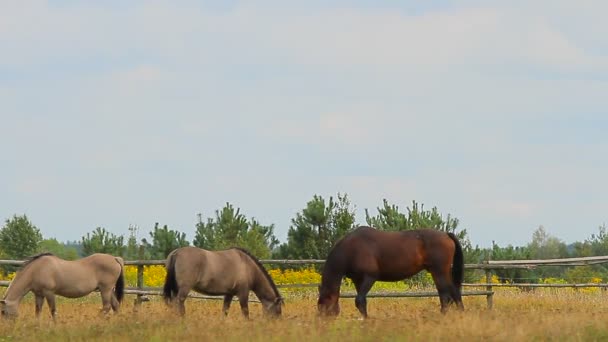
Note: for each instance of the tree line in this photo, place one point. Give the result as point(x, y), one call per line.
point(311, 234)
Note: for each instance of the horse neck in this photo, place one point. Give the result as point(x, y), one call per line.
point(19, 286)
point(331, 279)
point(262, 288)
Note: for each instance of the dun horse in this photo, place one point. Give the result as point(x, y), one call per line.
point(367, 255)
point(231, 272)
point(47, 275)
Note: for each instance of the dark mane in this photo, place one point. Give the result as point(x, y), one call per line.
point(34, 257)
point(261, 267)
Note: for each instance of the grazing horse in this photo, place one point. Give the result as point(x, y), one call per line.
point(47, 275)
point(366, 255)
point(231, 272)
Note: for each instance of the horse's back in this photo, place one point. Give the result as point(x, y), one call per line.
point(103, 267)
point(209, 272)
point(72, 278)
point(198, 257)
point(438, 245)
point(371, 240)
point(100, 268)
point(388, 255)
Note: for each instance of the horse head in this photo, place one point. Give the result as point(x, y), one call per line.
point(328, 302)
point(8, 310)
point(274, 307)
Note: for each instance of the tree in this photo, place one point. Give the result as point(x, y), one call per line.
point(231, 228)
point(260, 239)
point(315, 230)
point(132, 251)
point(546, 246)
point(76, 244)
point(102, 241)
point(390, 218)
point(164, 241)
point(57, 248)
point(225, 230)
point(19, 238)
point(597, 244)
point(516, 275)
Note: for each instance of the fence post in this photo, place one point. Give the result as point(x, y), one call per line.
point(140, 279)
point(489, 296)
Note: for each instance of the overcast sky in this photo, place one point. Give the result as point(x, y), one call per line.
point(134, 112)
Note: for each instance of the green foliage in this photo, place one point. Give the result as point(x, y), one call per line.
point(165, 240)
point(512, 253)
point(260, 239)
point(19, 238)
point(390, 218)
point(132, 248)
point(102, 241)
point(546, 246)
point(315, 230)
point(230, 228)
point(57, 248)
point(597, 244)
point(580, 274)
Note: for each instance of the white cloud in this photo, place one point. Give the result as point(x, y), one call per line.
point(258, 106)
point(375, 38)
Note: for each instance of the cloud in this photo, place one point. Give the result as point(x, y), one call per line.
point(383, 39)
point(163, 109)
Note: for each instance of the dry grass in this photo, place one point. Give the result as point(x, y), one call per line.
point(516, 316)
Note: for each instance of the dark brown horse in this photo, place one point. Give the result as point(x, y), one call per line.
point(367, 255)
point(231, 272)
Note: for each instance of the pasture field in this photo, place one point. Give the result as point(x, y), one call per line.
point(554, 315)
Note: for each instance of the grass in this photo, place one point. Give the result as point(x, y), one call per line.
point(539, 316)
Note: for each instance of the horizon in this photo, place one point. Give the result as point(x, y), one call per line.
point(145, 234)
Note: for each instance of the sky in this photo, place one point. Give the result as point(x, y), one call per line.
point(121, 113)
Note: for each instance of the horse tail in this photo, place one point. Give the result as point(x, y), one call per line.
point(458, 263)
point(119, 288)
point(170, 287)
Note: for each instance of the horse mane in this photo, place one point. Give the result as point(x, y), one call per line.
point(34, 257)
point(261, 267)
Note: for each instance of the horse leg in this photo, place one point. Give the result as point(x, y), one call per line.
point(457, 297)
point(50, 300)
point(363, 286)
point(39, 303)
point(182, 295)
point(115, 303)
point(444, 288)
point(106, 300)
point(227, 302)
point(244, 301)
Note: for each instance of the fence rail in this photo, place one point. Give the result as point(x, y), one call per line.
point(141, 291)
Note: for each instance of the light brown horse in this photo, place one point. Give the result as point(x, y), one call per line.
point(231, 272)
point(47, 275)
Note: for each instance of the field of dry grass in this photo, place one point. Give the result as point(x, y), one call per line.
point(542, 316)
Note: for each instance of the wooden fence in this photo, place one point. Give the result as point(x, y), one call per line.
point(142, 291)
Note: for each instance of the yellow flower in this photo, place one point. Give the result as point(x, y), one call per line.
point(9, 276)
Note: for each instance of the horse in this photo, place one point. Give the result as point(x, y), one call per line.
point(367, 255)
point(231, 272)
point(47, 275)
